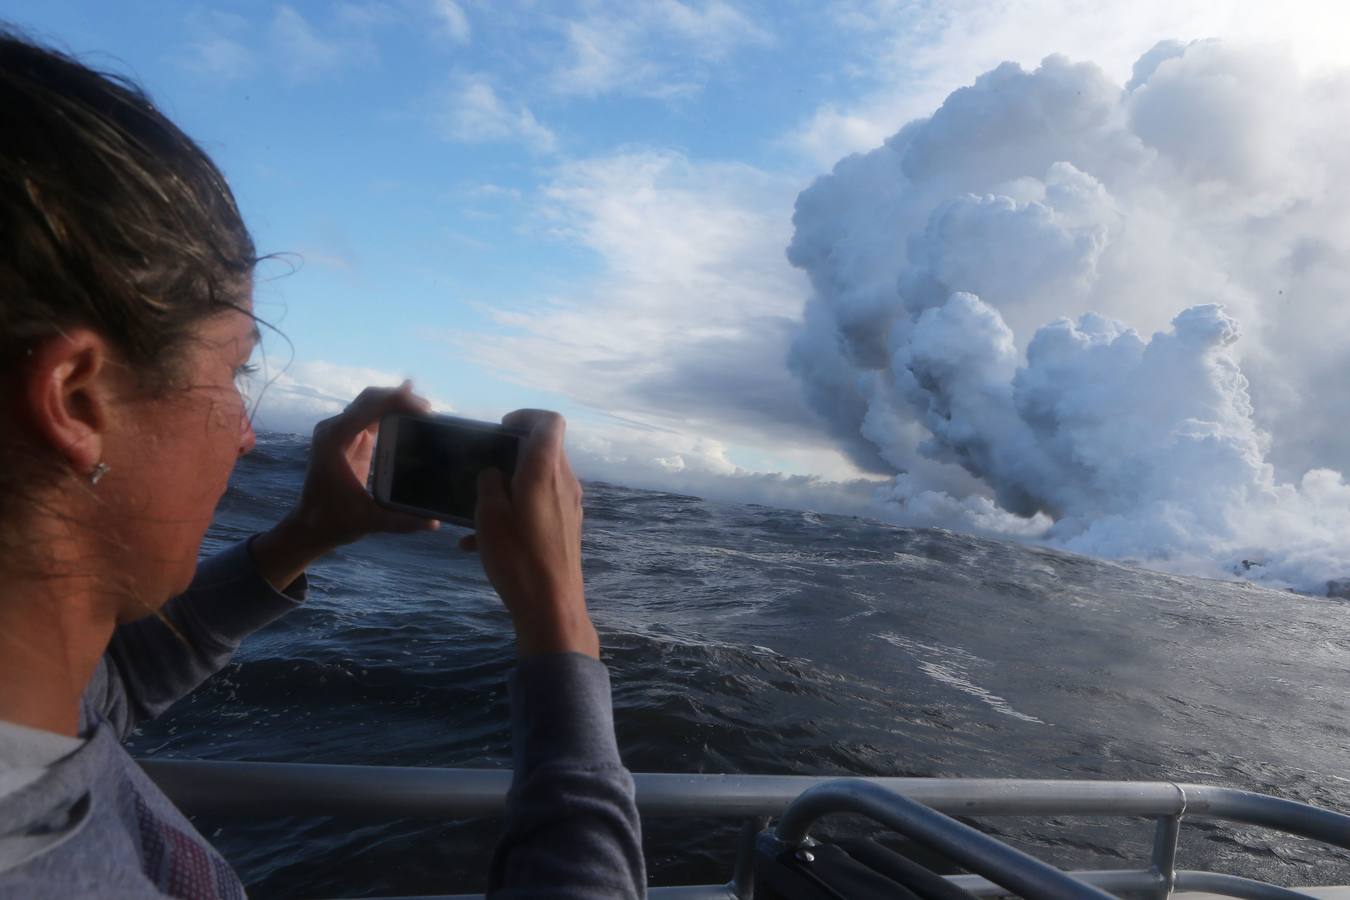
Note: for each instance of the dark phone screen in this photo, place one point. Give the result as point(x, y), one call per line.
point(436, 464)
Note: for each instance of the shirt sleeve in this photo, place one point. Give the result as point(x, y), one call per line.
point(154, 662)
point(572, 826)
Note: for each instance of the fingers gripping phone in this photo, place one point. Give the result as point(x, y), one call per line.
point(429, 465)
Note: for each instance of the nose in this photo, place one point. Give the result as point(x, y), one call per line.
point(247, 439)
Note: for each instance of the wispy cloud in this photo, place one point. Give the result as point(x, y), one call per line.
point(369, 14)
point(451, 20)
point(713, 29)
point(221, 58)
point(229, 47)
point(216, 49)
point(659, 49)
point(687, 327)
point(472, 112)
point(488, 190)
point(303, 52)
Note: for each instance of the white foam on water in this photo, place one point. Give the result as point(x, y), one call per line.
point(949, 666)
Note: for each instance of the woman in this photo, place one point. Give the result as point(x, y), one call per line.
point(125, 321)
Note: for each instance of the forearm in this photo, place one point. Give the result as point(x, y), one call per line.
point(157, 660)
point(572, 827)
point(287, 549)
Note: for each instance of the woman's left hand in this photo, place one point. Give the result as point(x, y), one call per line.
point(335, 508)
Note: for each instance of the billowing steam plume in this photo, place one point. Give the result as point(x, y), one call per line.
point(978, 282)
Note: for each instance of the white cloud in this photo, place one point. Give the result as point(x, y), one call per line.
point(684, 334)
point(294, 400)
point(227, 47)
point(489, 191)
point(451, 20)
point(832, 132)
point(221, 58)
point(716, 28)
point(658, 49)
point(695, 299)
point(370, 14)
point(304, 53)
point(472, 112)
point(216, 48)
point(664, 48)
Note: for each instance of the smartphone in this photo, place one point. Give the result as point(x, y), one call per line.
point(429, 465)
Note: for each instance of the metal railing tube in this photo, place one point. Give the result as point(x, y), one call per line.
point(306, 789)
point(973, 850)
point(679, 892)
point(1270, 812)
point(1115, 881)
point(1234, 886)
point(260, 788)
point(662, 794)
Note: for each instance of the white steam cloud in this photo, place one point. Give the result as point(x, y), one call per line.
point(977, 282)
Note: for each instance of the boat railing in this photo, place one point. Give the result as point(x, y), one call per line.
point(258, 789)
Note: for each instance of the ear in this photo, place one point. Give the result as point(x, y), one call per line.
point(66, 396)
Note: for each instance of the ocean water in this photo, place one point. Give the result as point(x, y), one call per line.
point(749, 639)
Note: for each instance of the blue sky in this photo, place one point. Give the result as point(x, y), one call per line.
point(581, 206)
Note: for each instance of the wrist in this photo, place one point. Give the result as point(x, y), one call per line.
point(302, 532)
point(557, 631)
point(284, 551)
point(308, 531)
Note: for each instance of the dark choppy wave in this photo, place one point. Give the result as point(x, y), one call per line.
point(748, 639)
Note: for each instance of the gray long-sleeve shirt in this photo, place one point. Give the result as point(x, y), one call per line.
point(572, 828)
point(92, 824)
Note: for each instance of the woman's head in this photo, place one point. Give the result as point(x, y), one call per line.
point(112, 218)
point(125, 286)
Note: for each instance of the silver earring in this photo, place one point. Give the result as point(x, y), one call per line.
point(100, 469)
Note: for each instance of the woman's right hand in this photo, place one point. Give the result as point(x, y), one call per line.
point(529, 537)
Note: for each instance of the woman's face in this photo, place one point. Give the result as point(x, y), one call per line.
point(176, 460)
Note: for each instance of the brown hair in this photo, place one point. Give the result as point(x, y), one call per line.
point(110, 216)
